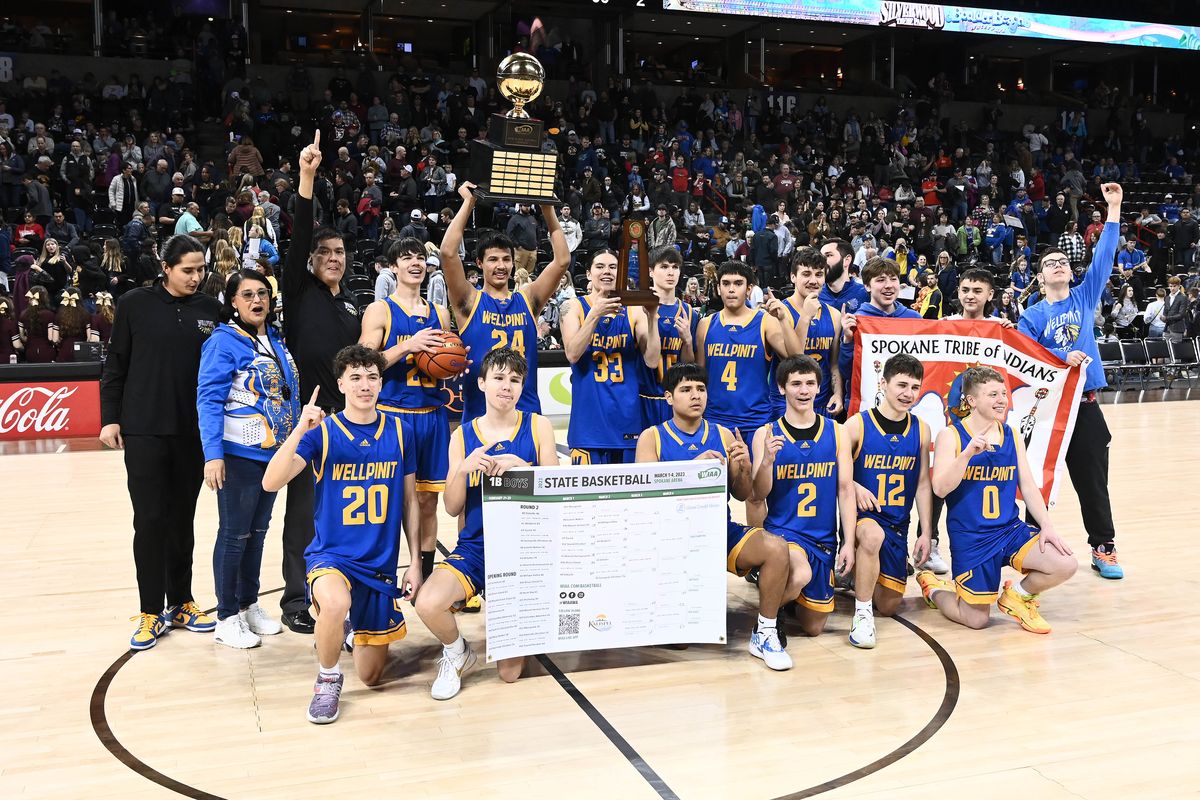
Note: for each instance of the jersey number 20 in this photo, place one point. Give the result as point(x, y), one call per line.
point(364, 504)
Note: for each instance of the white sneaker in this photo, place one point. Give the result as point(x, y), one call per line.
point(862, 630)
point(450, 672)
point(258, 621)
point(232, 632)
point(765, 644)
point(935, 563)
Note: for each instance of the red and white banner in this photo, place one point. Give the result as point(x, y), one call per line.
point(49, 410)
point(1043, 391)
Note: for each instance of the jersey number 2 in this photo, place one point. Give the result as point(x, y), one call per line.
point(364, 504)
point(807, 504)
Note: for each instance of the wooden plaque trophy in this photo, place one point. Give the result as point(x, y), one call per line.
point(633, 245)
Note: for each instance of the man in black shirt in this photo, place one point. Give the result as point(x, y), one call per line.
point(319, 319)
point(148, 407)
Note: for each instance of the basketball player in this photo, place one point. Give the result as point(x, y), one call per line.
point(976, 288)
point(978, 465)
point(890, 447)
point(364, 464)
point(677, 323)
point(686, 436)
point(401, 326)
point(603, 341)
point(494, 317)
point(735, 347)
point(502, 438)
point(804, 472)
point(819, 325)
point(882, 279)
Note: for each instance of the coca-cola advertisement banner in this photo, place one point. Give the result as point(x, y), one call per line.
point(49, 410)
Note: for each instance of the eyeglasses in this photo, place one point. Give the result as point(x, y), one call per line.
point(261, 294)
point(1055, 262)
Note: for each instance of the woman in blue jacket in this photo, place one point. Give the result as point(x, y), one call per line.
point(248, 402)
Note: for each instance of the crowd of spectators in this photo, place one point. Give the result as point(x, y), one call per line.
point(93, 177)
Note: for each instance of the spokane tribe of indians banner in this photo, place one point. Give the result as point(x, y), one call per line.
point(1043, 391)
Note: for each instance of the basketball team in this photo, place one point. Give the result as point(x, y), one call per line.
point(757, 389)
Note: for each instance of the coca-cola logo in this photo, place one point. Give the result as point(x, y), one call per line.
point(35, 408)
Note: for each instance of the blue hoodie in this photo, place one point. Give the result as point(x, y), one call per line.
point(846, 351)
point(1067, 325)
point(240, 394)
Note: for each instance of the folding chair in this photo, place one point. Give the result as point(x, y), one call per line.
point(1184, 357)
point(1158, 356)
point(1133, 353)
point(1113, 363)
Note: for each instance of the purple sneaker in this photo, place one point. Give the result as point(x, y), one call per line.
point(324, 706)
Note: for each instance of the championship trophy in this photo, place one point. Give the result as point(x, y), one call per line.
point(510, 165)
point(634, 289)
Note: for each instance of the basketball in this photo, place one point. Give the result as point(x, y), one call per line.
point(445, 361)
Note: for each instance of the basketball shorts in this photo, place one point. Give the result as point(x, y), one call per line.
point(599, 455)
point(655, 411)
point(431, 431)
point(978, 583)
point(375, 617)
point(737, 535)
point(818, 594)
point(893, 555)
point(466, 563)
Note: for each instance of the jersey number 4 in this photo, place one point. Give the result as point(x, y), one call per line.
point(364, 504)
point(729, 376)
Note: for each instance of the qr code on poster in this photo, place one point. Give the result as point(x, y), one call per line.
point(568, 624)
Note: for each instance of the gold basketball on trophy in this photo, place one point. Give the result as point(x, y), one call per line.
point(520, 78)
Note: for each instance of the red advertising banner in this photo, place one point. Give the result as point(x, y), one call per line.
point(49, 410)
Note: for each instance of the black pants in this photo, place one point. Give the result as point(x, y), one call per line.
point(298, 531)
point(1087, 463)
point(164, 474)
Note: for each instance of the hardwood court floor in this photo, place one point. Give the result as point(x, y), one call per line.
point(1106, 706)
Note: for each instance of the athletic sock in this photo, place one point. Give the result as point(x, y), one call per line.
point(426, 563)
point(764, 623)
point(1019, 588)
point(331, 672)
point(456, 648)
point(864, 605)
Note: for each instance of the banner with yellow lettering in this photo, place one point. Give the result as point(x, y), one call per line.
point(1043, 391)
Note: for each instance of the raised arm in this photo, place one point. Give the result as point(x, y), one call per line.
point(294, 279)
point(546, 283)
point(462, 293)
point(1105, 249)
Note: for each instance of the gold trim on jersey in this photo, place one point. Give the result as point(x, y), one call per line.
point(815, 439)
point(731, 559)
point(471, 314)
point(968, 596)
point(398, 410)
point(468, 587)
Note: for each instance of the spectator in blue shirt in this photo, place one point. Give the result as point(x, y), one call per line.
point(1062, 322)
point(1130, 257)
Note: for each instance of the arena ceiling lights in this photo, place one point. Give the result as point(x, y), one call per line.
point(958, 19)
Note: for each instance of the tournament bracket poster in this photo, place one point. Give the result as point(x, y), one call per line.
point(593, 557)
point(1043, 391)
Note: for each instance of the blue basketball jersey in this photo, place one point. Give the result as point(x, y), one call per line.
point(985, 502)
point(522, 443)
point(495, 323)
point(819, 345)
point(405, 386)
point(735, 357)
point(889, 465)
point(358, 473)
point(672, 346)
point(803, 501)
point(605, 412)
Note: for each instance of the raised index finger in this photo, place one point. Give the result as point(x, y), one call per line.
point(317, 138)
point(313, 400)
